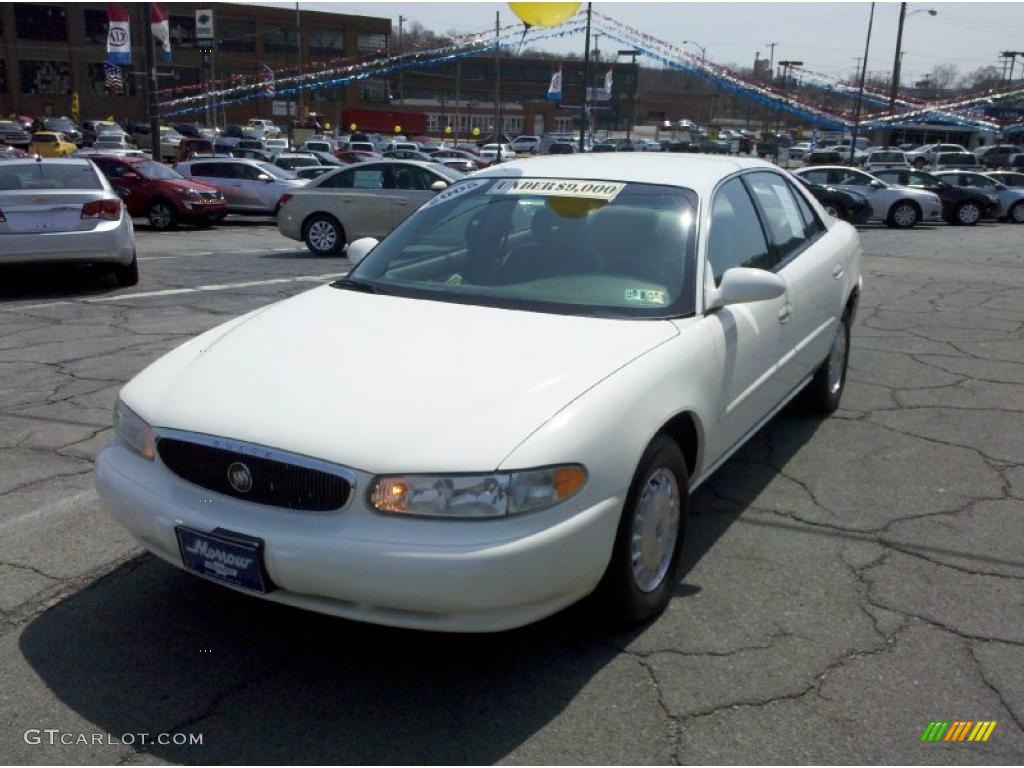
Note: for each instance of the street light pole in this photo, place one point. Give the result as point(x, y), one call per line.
point(584, 111)
point(860, 91)
point(898, 61)
point(631, 116)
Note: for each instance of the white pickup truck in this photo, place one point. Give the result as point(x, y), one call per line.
point(265, 128)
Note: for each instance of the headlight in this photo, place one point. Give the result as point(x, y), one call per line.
point(130, 427)
point(191, 194)
point(495, 494)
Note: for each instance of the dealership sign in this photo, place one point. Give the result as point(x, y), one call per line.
point(204, 24)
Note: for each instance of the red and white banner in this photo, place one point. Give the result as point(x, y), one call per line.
point(119, 38)
point(161, 28)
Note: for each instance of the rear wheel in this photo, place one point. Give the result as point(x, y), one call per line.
point(1016, 214)
point(161, 215)
point(968, 214)
point(904, 215)
point(127, 274)
point(648, 544)
point(323, 235)
point(826, 388)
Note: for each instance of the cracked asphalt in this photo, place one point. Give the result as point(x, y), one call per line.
point(846, 581)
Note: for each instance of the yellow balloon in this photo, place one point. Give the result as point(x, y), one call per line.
point(352, 127)
point(448, 129)
point(398, 129)
point(476, 131)
point(327, 126)
point(544, 14)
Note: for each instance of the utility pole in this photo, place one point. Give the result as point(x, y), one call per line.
point(631, 117)
point(860, 91)
point(150, 82)
point(771, 80)
point(584, 111)
point(787, 68)
point(401, 50)
point(458, 98)
point(497, 77)
point(298, 41)
point(895, 84)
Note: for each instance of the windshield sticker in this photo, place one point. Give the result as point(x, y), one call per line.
point(595, 190)
point(650, 296)
point(455, 190)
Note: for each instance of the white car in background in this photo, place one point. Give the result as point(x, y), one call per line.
point(925, 155)
point(884, 159)
point(248, 186)
point(526, 145)
point(263, 128)
point(1011, 199)
point(64, 211)
point(545, 367)
point(276, 145)
point(647, 145)
point(497, 153)
point(363, 199)
point(896, 206)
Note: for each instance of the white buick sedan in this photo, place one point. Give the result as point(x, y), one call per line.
point(507, 402)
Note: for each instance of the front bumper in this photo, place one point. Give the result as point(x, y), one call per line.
point(110, 242)
point(464, 576)
point(197, 210)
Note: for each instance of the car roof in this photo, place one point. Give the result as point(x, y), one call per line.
point(47, 133)
point(698, 172)
point(47, 161)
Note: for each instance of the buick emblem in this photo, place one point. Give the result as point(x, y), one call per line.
point(240, 477)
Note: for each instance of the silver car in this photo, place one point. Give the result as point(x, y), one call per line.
point(64, 210)
point(249, 186)
point(900, 207)
point(1011, 201)
point(366, 199)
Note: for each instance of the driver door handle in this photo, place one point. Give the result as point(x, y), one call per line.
point(785, 313)
point(837, 271)
point(400, 201)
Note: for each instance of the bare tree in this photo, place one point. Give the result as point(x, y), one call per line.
point(945, 76)
point(982, 78)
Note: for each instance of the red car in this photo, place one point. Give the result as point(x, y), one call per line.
point(161, 194)
point(190, 148)
point(352, 156)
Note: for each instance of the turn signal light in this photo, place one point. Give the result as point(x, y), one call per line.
point(284, 199)
point(102, 209)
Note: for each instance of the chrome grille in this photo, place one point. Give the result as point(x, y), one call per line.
point(274, 482)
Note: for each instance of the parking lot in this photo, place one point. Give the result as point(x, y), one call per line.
point(846, 581)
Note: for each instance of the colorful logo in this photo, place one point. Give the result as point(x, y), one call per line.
point(958, 730)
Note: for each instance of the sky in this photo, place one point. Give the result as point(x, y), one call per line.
point(827, 37)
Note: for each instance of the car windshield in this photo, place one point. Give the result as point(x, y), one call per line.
point(887, 157)
point(152, 170)
point(59, 124)
point(44, 138)
point(274, 171)
point(48, 176)
point(958, 158)
point(596, 248)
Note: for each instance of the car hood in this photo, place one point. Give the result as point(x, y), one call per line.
point(189, 184)
point(387, 384)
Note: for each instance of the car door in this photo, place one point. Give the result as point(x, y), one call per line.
point(221, 176)
point(411, 189)
point(360, 198)
point(749, 336)
point(258, 190)
point(812, 266)
point(856, 181)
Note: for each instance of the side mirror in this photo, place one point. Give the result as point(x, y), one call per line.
point(438, 186)
point(876, 184)
point(358, 250)
point(743, 285)
point(264, 178)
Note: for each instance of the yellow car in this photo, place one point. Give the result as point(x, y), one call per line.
point(51, 144)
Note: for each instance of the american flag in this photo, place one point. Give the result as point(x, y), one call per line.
point(113, 79)
point(267, 77)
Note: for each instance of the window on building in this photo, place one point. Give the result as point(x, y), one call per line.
point(45, 78)
point(183, 31)
point(328, 43)
point(563, 124)
point(41, 22)
point(280, 40)
point(236, 35)
point(370, 42)
point(374, 90)
point(95, 26)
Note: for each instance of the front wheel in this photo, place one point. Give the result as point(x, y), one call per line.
point(904, 215)
point(968, 214)
point(161, 215)
point(1016, 214)
point(323, 235)
point(826, 388)
point(648, 544)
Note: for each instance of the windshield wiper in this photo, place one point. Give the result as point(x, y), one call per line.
point(355, 284)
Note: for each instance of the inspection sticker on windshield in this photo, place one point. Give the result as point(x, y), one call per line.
point(594, 190)
point(455, 190)
point(640, 294)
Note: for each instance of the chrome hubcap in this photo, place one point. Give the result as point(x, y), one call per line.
point(969, 214)
point(836, 358)
point(905, 216)
point(322, 235)
point(159, 216)
point(655, 528)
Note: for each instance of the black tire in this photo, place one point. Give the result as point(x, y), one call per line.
point(621, 594)
point(161, 215)
point(1016, 213)
point(904, 215)
point(835, 209)
point(967, 214)
point(127, 274)
point(826, 388)
point(316, 232)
